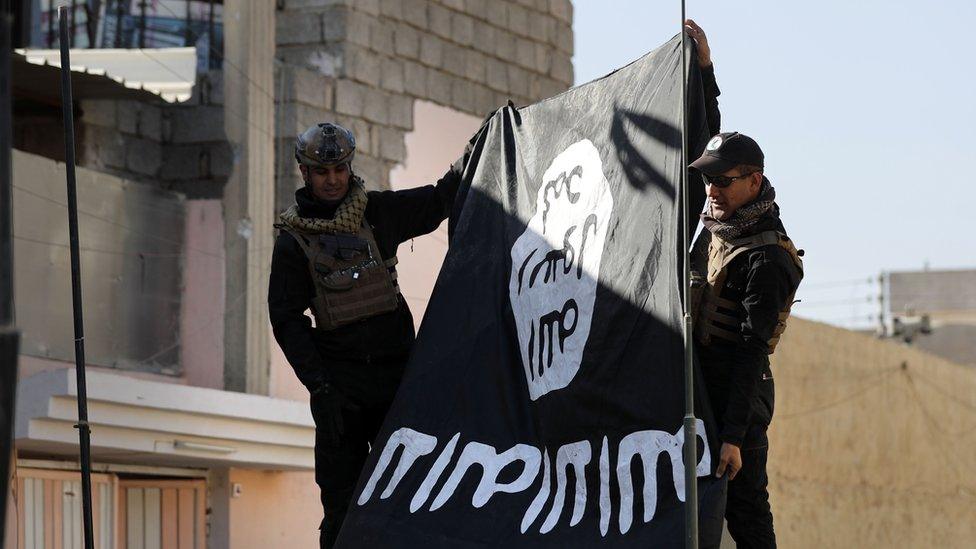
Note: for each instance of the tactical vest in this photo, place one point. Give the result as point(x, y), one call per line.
point(712, 309)
point(352, 281)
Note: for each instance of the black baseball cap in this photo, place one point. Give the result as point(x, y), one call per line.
point(726, 151)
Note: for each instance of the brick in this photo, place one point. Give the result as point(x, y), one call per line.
point(223, 160)
point(149, 123)
point(462, 95)
point(431, 50)
point(438, 87)
point(475, 67)
point(455, 59)
point(406, 41)
point(334, 24)
point(295, 27)
point(127, 114)
point(497, 74)
point(415, 13)
point(98, 113)
point(375, 108)
point(505, 45)
point(102, 147)
point(401, 111)
point(307, 116)
point(198, 124)
point(498, 14)
point(541, 28)
point(518, 20)
point(457, 5)
point(518, 81)
point(391, 8)
point(552, 87)
point(483, 100)
point(316, 4)
point(562, 9)
point(564, 38)
point(184, 162)
point(439, 21)
point(562, 69)
point(357, 28)
point(525, 53)
point(305, 86)
point(371, 7)
point(543, 58)
point(143, 156)
point(478, 9)
point(484, 38)
point(372, 170)
point(362, 65)
point(415, 79)
point(542, 6)
point(391, 75)
point(381, 34)
point(392, 146)
point(462, 29)
point(349, 98)
point(527, 3)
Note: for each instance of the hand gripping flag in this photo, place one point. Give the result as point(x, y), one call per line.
point(543, 402)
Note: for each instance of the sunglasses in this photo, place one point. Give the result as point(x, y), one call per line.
point(722, 181)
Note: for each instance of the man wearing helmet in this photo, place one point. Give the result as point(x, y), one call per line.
point(336, 254)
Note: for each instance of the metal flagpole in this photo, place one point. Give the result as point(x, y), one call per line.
point(691, 438)
point(9, 336)
point(84, 432)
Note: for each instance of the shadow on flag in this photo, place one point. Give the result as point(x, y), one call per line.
point(543, 402)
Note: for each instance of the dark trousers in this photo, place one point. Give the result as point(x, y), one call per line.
point(747, 510)
point(338, 464)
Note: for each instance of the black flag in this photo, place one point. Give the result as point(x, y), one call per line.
point(543, 402)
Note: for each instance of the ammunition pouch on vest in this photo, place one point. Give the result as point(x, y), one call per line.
point(352, 281)
point(720, 317)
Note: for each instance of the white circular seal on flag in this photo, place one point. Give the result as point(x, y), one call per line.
point(714, 143)
point(556, 267)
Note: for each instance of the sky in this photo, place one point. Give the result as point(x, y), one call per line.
point(864, 110)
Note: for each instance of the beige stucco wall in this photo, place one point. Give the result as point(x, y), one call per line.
point(274, 510)
point(872, 443)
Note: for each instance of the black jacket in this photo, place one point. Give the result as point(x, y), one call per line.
point(713, 116)
point(737, 376)
point(339, 355)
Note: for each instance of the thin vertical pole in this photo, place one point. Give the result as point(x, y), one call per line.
point(9, 336)
point(142, 23)
point(118, 23)
point(691, 437)
point(84, 431)
point(188, 32)
point(212, 43)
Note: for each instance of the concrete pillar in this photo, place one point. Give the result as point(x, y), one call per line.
point(249, 47)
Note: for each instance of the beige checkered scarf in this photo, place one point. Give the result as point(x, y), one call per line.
point(347, 219)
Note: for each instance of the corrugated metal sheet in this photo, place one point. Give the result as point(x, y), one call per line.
point(168, 73)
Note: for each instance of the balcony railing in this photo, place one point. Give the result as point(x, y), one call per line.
point(136, 24)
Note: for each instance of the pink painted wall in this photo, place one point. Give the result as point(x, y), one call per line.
point(437, 140)
point(275, 509)
point(202, 307)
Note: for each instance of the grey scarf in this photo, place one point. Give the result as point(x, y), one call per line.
point(747, 219)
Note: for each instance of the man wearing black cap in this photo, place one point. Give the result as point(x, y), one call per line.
point(746, 271)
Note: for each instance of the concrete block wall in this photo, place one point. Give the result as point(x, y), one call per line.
point(871, 443)
point(179, 147)
point(363, 63)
